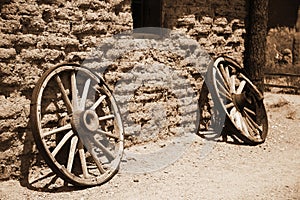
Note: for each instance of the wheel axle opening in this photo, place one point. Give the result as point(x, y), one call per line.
point(86, 120)
point(90, 120)
point(239, 101)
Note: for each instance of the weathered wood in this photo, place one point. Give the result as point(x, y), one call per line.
point(255, 43)
point(295, 86)
point(64, 94)
point(282, 74)
point(283, 86)
point(72, 152)
point(82, 159)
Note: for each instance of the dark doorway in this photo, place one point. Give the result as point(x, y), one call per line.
point(146, 13)
point(283, 13)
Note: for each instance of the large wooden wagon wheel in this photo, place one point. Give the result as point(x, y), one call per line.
point(234, 94)
point(76, 125)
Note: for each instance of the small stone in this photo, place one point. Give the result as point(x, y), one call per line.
point(206, 20)
point(91, 16)
point(221, 21)
point(7, 53)
point(218, 29)
point(162, 145)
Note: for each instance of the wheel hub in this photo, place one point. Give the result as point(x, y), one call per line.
point(86, 120)
point(239, 101)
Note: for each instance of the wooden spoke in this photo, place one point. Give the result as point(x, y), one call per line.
point(82, 159)
point(222, 79)
point(229, 79)
point(232, 113)
point(257, 92)
point(253, 123)
point(238, 120)
point(107, 153)
point(106, 117)
point(84, 94)
point(57, 130)
point(64, 94)
point(62, 142)
point(74, 91)
point(225, 76)
point(227, 72)
point(72, 152)
point(220, 85)
point(241, 87)
point(225, 95)
point(97, 103)
point(230, 105)
point(47, 175)
point(251, 126)
point(108, 134)
point(235, 117)
point(249, 111)
point(244, 125)
point(96, 160)
point(223, 91)
point(233, 84)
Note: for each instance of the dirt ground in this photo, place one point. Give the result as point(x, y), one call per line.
point(267, 171)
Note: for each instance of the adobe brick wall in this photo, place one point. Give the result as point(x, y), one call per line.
point(37, 34)
point(219, 26)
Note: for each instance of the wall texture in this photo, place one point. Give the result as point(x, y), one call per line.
point(37, 34)
point(219, 26)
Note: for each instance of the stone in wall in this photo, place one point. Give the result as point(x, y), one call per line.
point(6, 54)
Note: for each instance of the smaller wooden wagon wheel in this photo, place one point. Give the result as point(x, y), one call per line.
point(240, 99)
point(76, 125)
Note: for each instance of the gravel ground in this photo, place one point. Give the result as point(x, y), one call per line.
point(267, 171)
